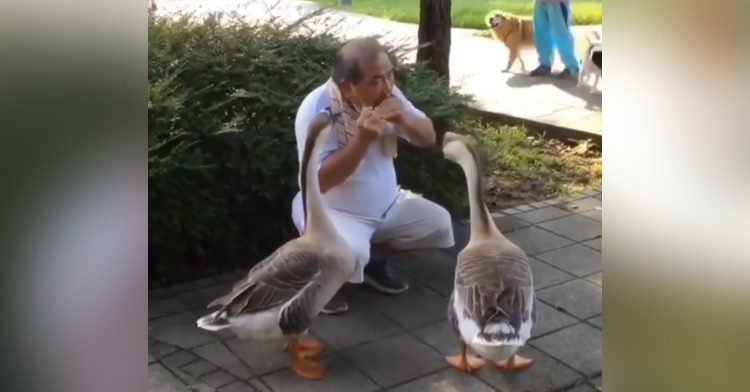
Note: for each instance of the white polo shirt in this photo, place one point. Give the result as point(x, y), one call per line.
point(372, 188)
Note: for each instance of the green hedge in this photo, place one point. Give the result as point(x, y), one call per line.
point(222, 156)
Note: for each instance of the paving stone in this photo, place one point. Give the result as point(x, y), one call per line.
point(582, 388)
point(262, 357)
point(575, 227)
point(461, 238)
point(160, 293)
point(538, 204)
point(199, 299)
point(597, 382)
point(179, 359)
point(160, 350)
point(544, 375)
point(182, 288)
point(218, 354)
point(439, 336)
point(206, 282)
point(594, 244)
point(151, 359)
point(447, 380)
point(573, 197)
point(395, 360)
point(524, 208)
point(199, 368)
point(595, 279)
point(361, 324)
point(576, 259)
point(596, 321)
point(432, 268)
point(594, 215)
point(165, 307)
point(162, 380)
point(259, 386)
point(510, 211)
point(401, 309)
point(238, 387)
point(579, 347)
point(546, 275)
point(542, 214)
point(583, 205)
point(341, 376)
point(579, 297)
point(180, 330)
point(553, 202)
point(218, 379)
point(534, 240)
point(507, 223)
point(550, 319)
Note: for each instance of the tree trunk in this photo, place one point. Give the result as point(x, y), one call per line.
point(435, 29)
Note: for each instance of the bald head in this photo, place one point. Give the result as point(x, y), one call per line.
point(354, 56)
point(363, 71)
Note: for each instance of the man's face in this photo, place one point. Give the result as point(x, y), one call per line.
point(376, 83)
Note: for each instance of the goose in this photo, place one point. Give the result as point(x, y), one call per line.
point(491, 307)
point(282, 295)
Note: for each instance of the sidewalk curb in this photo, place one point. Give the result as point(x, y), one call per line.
point(546, 130)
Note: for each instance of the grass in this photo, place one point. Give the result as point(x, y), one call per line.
point(522, 168)
point(468, 14)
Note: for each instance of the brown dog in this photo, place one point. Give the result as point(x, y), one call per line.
point(516, 32)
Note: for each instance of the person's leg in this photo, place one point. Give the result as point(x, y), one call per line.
point(357, 233)
point(413, 223)
point(542, 39)
point(563, 38)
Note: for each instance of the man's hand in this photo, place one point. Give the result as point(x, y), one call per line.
point(370, 124)
point(391, 110)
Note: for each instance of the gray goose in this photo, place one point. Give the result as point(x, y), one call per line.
point(491, 308)
point(282, 295)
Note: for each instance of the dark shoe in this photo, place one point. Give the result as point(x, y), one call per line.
point(542, 70)
point(568, 73)
point(337, 305)
point(379, 277)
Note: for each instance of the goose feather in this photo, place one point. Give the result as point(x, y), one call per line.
point(282, 295)
point(492, 305)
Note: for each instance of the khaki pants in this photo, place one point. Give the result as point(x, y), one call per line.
point(411, 223)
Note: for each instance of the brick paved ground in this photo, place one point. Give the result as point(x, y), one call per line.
point(398, 343)
point(475, 62)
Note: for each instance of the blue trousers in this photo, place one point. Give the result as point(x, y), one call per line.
point(552, 29)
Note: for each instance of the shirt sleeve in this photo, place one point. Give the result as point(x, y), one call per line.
point(410, 108)
point(302, 125)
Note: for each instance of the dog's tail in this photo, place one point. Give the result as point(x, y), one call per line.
point(595, 35)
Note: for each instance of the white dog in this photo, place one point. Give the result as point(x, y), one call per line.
point(592, 62)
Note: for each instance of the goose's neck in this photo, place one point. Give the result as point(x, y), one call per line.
point(482, 226)
point(317, 222)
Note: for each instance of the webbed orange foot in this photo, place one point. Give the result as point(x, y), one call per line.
point(464, 362)
point(308, 347)
point(302, 366)
point(514, 363)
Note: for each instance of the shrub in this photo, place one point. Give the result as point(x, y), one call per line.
point(222, 96)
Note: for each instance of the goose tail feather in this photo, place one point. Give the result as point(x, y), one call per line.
point(214, 322)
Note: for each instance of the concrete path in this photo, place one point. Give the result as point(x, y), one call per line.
point(398, 343)
point(476, 63)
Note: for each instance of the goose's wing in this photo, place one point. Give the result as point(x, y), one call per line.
point(262, 264)
point(293, 271)
point(495, 284)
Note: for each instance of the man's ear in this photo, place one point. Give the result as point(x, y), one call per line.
point(346, 89)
